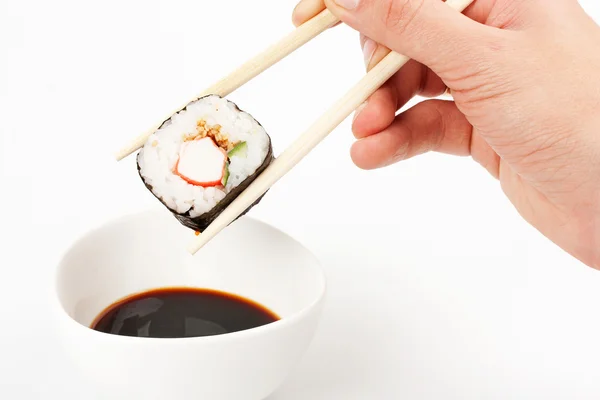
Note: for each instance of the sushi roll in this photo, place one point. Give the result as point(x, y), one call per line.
point(200, 159)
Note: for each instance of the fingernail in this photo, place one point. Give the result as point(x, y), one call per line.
point(358, 110)
point(368, 50)
point(347, 4)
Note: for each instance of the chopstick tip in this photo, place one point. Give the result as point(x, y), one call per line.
point(194, 246)
point(122, 153)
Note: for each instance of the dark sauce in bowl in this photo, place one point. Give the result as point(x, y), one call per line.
point(180, 313)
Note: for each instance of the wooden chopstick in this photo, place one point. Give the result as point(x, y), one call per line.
point(249, 70)
point(309, 139)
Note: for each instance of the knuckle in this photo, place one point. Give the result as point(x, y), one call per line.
point(399, 15)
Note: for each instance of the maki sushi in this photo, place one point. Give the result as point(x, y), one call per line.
point(200, 159)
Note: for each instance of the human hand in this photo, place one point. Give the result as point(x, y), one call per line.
point(525, 78)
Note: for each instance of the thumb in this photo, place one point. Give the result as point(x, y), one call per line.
point(428, 31)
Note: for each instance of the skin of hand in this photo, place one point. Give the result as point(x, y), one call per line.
point(525, 79)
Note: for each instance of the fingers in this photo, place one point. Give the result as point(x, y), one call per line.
point(433, 125)
point(380, 110)
point(430, 125)
point(373, 52)
point(377, 113)
point(305, 10)
point(485, 155)
point(428, 31)
point(480, 11)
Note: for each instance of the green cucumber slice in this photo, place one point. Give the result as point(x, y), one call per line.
point(225, 175)
point(239, 150)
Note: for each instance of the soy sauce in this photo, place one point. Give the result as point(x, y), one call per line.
point(182, 312)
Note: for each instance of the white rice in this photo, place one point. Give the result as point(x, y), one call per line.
point(160, 153)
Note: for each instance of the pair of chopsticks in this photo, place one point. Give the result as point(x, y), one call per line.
point(322, 127)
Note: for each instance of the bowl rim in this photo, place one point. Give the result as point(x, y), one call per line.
point(283, 322)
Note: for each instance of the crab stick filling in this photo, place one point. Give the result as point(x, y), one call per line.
point(201, 162)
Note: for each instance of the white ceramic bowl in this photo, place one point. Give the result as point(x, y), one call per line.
point(146, 251)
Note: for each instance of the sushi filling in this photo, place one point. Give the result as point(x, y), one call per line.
point(214, 132)
point(201, 163)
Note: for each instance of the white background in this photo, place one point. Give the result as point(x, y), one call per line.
point(437, 288)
